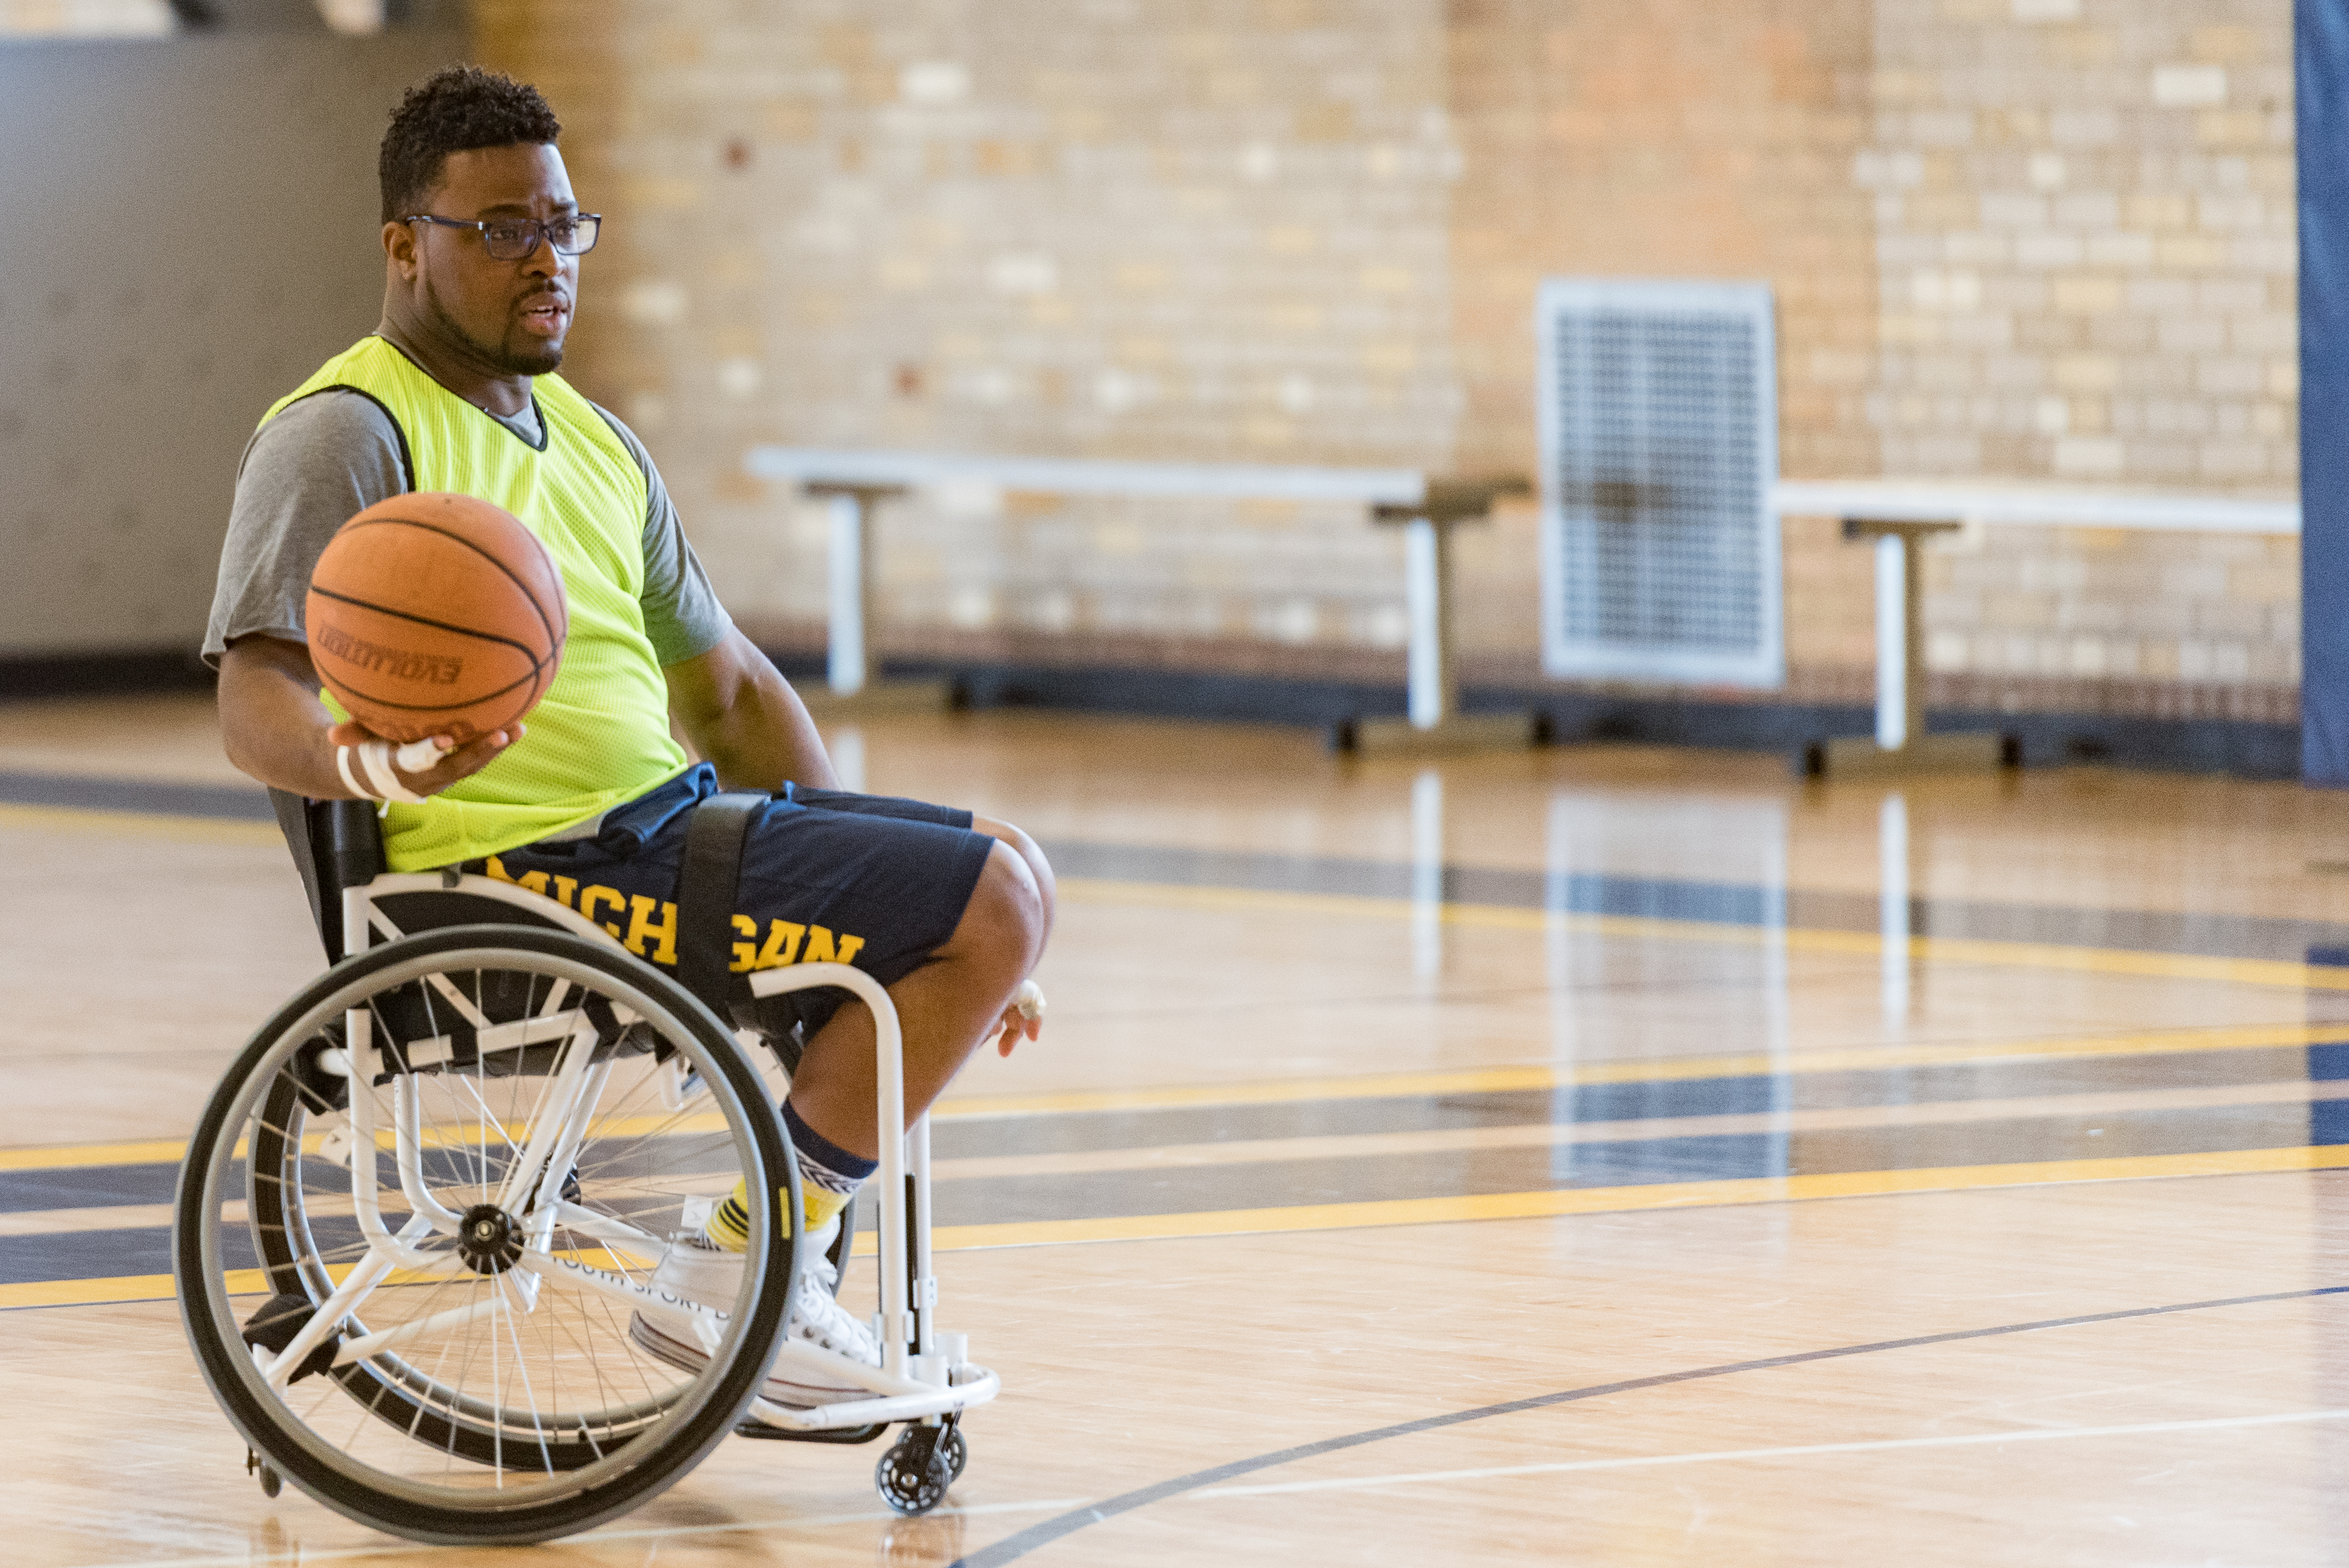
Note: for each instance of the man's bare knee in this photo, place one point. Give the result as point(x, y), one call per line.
point(1003, 923)
point(1031, 852)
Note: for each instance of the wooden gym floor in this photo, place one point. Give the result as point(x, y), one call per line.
point(1545, 1158)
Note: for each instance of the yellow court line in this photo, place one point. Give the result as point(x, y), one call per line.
point(143, 824)
point(146, 1151)
point(1798, 939)
point(1560, 1075)
point(160, 1151)
point(1548, 1204)
point(1625, 1200)
point(110, 1292)
point(1471, 1080)
point(119, 1289)
point(171, 1152)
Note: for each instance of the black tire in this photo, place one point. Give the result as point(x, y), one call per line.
point(573, 1484)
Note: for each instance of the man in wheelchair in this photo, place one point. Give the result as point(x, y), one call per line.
point(589, 800)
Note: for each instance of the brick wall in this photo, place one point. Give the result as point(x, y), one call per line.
point(2028, 239)
point(2085, 228)
point(1699, 138)
point(1212, 231)
point(2085, 239)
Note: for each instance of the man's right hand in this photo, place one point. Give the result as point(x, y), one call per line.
point(455, 762)
point(276, 729)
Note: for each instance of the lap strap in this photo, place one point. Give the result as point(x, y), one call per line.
point(706, 886)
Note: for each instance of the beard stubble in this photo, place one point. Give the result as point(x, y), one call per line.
point(497, 356)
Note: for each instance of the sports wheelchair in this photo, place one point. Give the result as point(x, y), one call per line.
point(418, 1221)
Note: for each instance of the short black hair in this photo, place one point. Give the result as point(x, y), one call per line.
point(454, 110)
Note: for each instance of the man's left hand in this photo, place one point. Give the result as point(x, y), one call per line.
point(1023, 1018)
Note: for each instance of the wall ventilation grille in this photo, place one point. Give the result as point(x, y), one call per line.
point(1660, 445)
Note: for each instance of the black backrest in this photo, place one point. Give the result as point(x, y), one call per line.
point(335, 844)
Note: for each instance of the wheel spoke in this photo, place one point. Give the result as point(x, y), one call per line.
point(498, 1364)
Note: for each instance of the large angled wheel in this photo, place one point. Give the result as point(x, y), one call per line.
point(563, 1111)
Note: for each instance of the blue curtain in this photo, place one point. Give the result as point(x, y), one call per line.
point(2321, 69)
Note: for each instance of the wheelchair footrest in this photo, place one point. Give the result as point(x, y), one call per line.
point(765, 1433)
point(273, 1329)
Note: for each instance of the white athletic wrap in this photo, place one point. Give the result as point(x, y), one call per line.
point(417, 754)
point(375, 755)
point(375, 759)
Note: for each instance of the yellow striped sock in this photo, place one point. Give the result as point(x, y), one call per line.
point(818, 1205)
point(729, 1222)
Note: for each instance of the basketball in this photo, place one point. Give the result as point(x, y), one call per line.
point(436, 614)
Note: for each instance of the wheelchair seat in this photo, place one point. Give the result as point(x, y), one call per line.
point(338, 845)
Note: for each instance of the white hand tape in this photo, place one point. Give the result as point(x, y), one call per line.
point(418, 754)
point(1030, 1000)
point(375, 757)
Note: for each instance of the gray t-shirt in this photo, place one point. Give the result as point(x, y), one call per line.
point(338, 452)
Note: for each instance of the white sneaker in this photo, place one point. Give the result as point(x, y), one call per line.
point(695, 1270)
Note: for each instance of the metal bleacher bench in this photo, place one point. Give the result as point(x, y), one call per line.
point(1427, 508)
point(1898, 514)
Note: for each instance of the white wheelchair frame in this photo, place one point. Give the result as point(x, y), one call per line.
point(925, 1374)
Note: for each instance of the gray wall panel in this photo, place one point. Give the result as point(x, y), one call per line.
point(186, 229)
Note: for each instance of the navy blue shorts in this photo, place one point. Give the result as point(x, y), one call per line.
point(827, 877)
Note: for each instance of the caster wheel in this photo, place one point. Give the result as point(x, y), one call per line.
point(272, 1484)
point(913, 1476)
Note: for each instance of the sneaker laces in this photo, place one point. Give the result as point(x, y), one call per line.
point(817, 1247)
point(819, 1318)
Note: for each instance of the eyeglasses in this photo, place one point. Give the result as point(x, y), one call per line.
point(517, 238)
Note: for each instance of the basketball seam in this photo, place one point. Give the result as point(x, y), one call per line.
point(441, 707)
point(522, 648)
point(365, 522)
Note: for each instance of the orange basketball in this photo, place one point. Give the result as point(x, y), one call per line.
point(436, 614)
